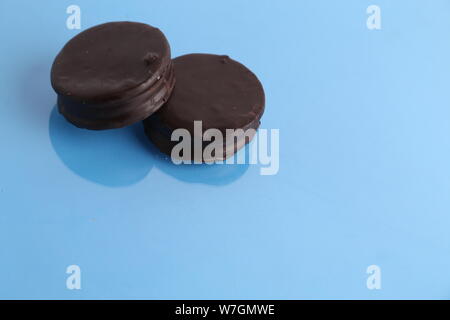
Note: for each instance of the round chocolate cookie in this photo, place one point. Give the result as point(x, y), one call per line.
point(216, 90)
point(113, 75)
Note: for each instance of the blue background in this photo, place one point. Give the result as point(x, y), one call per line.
point(364, 119)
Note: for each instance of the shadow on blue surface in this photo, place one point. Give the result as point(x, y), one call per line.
point(123, 157)
point(113, 158)
point(211, 174)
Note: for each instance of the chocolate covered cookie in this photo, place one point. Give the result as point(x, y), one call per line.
point(113, 75)
point(214, 92)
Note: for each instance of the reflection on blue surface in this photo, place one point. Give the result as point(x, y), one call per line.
point(123, 157)
point(113, 158)
point(211, 174)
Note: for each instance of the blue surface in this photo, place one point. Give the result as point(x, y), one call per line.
point(364, 119)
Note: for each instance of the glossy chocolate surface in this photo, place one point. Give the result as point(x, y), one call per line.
point(113, 75)
point(221, 92)
point(217, 90)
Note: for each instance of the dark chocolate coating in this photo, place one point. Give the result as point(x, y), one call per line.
point(120, 112)
point(217, 90)
point(113, 75)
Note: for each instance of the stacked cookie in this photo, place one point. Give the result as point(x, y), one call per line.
point(218, 91)
point(113, 75)
point(119, 73)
